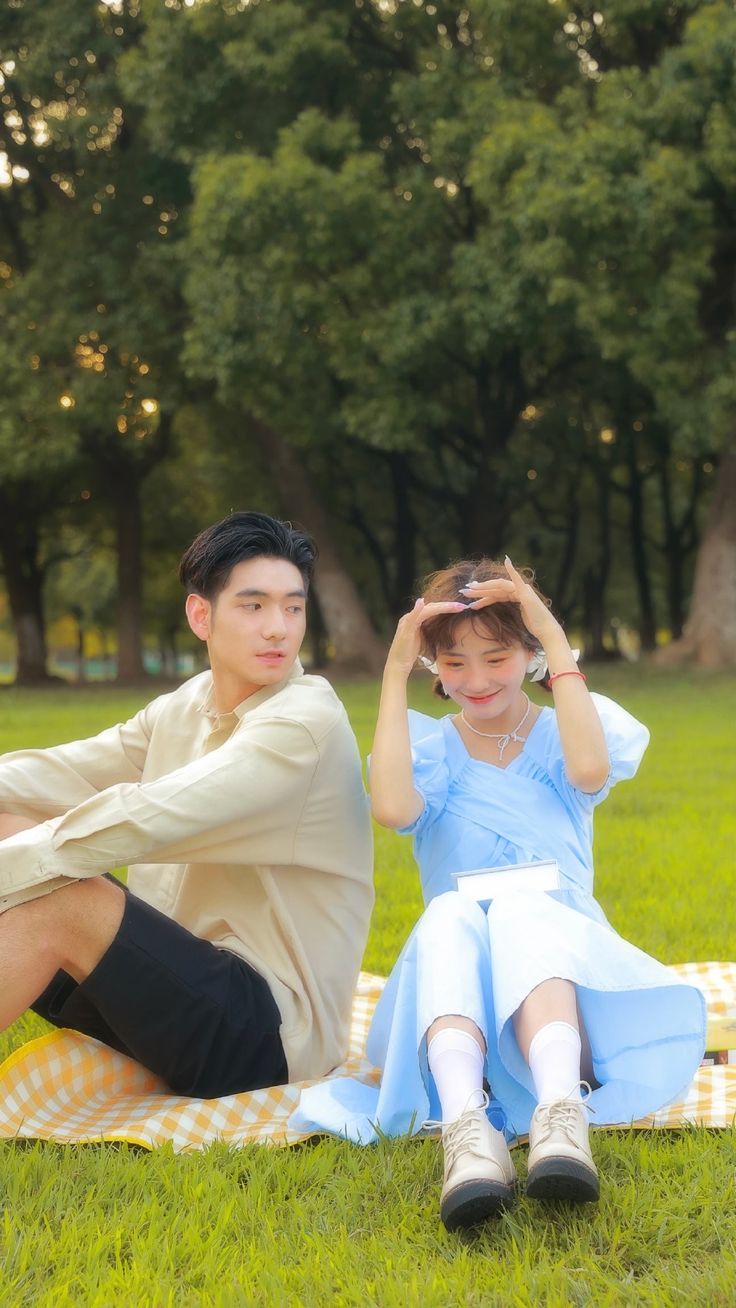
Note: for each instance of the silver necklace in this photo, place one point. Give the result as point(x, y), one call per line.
point(503, 737)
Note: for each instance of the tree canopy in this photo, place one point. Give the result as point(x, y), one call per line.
point(441, 279)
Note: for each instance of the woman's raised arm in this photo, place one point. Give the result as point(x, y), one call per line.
point(394, 798)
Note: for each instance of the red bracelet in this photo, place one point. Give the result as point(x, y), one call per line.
point(571, 672)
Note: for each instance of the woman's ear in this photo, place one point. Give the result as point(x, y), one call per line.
point(199, 614)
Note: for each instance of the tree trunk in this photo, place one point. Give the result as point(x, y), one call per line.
point(355, 647)
point(594, 615)
point(404, 537)
point(499, 399)
point(676, 589)
point(486, 514)
point(105, 658)
point(78, 617)
point(122, 471)
point(709, 637)
point(679, 540)
point(562, 591)
point(24, 579)
point(125, 496)
point(595, 578)
point(317, 636)
point(647, 616)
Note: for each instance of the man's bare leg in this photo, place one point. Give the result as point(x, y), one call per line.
point(10, 824)
point(71, 928)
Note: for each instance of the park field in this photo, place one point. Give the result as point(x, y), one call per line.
point(328, 1223)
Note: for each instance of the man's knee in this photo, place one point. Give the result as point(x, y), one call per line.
point(75, 925)
point(10, 824)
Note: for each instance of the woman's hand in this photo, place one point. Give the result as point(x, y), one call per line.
point(394, 798)
point(407, 641)
point(583, 743)
point(534, 612)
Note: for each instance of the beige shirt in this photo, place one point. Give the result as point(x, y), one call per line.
point(250, 828)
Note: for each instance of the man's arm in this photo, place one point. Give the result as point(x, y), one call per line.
point(239, 804)
point(44, 783)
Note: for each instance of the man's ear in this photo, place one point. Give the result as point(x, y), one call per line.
point(199, 615)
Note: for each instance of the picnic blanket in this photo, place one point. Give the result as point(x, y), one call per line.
point(71, 1089)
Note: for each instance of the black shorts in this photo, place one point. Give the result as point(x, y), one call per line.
point(198, 1016)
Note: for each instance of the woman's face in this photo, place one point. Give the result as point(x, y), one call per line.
point(481, 675)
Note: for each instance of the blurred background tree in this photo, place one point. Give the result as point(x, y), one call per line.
point(430, 279)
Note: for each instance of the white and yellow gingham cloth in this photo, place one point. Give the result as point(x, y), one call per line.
point(69, 1088)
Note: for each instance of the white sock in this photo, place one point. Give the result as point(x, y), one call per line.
point(456, 1062)
point(554, 1062)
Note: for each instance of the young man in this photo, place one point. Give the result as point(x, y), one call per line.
point(237, 801)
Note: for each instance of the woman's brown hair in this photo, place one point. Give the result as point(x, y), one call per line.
point(502, 621)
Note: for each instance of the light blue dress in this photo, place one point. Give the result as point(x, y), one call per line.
point(646, 1028)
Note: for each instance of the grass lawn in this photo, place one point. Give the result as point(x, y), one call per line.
point(330, 1223)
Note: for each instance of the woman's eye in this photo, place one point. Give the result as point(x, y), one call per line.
point(295, 608)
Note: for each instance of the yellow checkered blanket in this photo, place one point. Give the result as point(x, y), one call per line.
point(70, 1088)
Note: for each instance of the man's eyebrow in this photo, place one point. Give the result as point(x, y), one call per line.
point(250, 593)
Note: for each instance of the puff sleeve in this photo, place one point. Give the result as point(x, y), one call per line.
point(429, 766)
point(626, 739)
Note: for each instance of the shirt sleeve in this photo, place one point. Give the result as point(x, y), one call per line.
point(44, 783)
point(240, 803)
point(626, 739)
point(430, 769)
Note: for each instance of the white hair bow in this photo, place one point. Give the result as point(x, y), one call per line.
point(537, 669)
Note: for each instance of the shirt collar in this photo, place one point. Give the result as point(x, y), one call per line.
point(206, 704)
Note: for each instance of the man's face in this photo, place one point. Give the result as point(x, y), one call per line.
point(255, 627)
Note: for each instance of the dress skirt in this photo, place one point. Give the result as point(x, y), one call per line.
point(646, 1028)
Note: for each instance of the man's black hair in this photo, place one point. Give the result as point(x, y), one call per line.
point(206, 566)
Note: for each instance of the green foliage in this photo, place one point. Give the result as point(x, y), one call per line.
point(643, 184)
point(441, 249)
point(87, 265)
point(330, 1223)
point(436, 218)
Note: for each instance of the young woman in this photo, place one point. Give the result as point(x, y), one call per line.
point(537, 998)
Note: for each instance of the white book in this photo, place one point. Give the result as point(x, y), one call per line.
point(485, 883)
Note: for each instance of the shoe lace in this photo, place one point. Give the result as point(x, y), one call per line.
point(561, 1114)
point(462, 1134)
point(465, 1131)
point(430, 1124)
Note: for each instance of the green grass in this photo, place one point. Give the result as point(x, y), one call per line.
point(330, 1223)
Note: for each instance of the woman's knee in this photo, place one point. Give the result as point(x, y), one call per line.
point(448, 915)
point(510, 911)
point(452, 906)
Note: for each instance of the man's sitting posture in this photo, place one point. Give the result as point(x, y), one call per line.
point(238, 803)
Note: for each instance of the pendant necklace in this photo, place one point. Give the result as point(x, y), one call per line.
point(503, 737)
